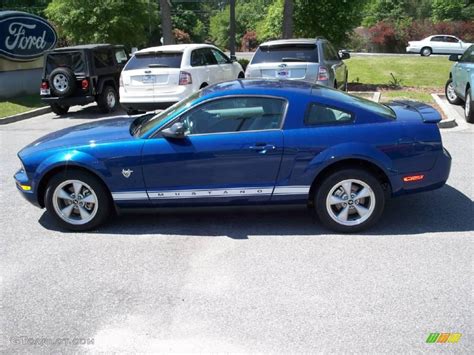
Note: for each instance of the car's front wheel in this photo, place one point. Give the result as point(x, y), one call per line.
point(469, 107)
point(349, 200)
point(59, 109)
point(77, 200)
point(451, 94)
point(108, 100)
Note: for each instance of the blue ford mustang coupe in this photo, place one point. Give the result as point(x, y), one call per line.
point(243, 142)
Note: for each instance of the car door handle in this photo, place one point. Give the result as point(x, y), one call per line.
point(262, 147)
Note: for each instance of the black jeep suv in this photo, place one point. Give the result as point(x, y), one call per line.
point(82, 74)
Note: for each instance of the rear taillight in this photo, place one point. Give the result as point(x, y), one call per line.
point(44, 85)
point(85, 84)
point(323, 74)
point(185, 78)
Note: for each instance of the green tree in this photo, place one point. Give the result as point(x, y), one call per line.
point(108, 21)
point(452, 10)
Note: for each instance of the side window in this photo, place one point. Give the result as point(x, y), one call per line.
point(235, 115)
point(197, 58)
point(332, 52)
point(209, 58)
point(451, 39)
point(103, 59)
point(320, 114)
point(468, 56)
point(121, 56)
point(437, 39)
point(220, 57)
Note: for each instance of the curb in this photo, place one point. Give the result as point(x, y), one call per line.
point(25, 115)
point(448, 111)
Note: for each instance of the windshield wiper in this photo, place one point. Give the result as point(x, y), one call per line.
point(291, 59)
point(158, 65)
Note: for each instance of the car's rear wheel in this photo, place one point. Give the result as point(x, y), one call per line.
point(469, 107)
point(62, 82)
point(59, 109)
point(426, 51)
point(77, 200)
point(451, 94)
point(108, 100)
point(349, 200)
point(241, 75)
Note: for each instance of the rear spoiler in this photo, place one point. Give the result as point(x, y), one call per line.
point(428, 114)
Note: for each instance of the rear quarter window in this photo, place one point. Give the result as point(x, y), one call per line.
point(286, 53)
point(158, 59)
point(318, 114)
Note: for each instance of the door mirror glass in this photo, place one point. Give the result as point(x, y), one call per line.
point(233, 58)
point(454, 57)
point(177, 130)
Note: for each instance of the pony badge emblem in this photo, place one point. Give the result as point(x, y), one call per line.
point(127, 173)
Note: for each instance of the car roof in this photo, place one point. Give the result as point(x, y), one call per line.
point(174, 47)
point(280, 42)
point(259, 87)
point(87, 47)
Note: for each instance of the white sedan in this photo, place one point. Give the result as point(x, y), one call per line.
point(438, 44)
point(157, 77)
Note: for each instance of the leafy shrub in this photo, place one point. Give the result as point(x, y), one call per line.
point(181, 36)
point(249, 41)
point(243, 62)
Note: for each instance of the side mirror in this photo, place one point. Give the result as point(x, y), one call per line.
point(454, 57)
point(177, 130)
point(344, 54)
point(233, 58)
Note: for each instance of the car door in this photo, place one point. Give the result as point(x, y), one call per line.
point(437, 44)
point(231, 152)
point(225, 65)
point(452, 45)
point(201, 70)
point(337, 65)
point(463, 70)
point(211, 65)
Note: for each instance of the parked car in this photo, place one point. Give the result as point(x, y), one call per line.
point(158, 77)
point(242, 142)
point(438, 44)
point(460, 85)
point(82, 74)
point(313, 60)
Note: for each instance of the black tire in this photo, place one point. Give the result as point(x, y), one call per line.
point(104, 204)
point(132, 112)
point(335, 84)
point(241, 76)
point(62, 82)
point(426, 51)
point(469, 107)
point(108, 100)
point(203, 85)
point(59, 109)
point(451, 100)
point(374, 203)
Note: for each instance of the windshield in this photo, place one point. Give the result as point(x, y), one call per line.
point(147, 123)
point(357, 101)
point(155, 59)
point(286, 53)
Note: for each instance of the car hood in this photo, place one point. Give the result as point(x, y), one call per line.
point(103, 131)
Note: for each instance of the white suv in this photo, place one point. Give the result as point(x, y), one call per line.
point(157, 77)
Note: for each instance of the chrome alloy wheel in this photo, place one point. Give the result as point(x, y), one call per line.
point(450, 92)
point(60, 82)
point(110, 99)
point(350, 202)
point(467, 105)
point(75, 202)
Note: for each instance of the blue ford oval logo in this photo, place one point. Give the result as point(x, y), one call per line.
point(24, 36)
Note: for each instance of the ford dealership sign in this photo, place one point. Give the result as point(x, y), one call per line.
point(24, 36)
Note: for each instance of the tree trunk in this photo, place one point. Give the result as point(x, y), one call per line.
point(232, 28)
point(288, 19)
point(166, 26)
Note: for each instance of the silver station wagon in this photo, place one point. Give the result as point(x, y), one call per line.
point(314, 60)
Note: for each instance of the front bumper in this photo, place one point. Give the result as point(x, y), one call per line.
point(26, 188)
point(410, 49)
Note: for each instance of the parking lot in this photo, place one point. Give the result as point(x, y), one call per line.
point(258, 280)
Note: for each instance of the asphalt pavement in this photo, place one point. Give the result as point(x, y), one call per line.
point(258, 280)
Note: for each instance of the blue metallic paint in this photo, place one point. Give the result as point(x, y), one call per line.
point(409, 144)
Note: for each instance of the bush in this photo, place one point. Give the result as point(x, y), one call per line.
point(181, 36)
point(249, 42)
